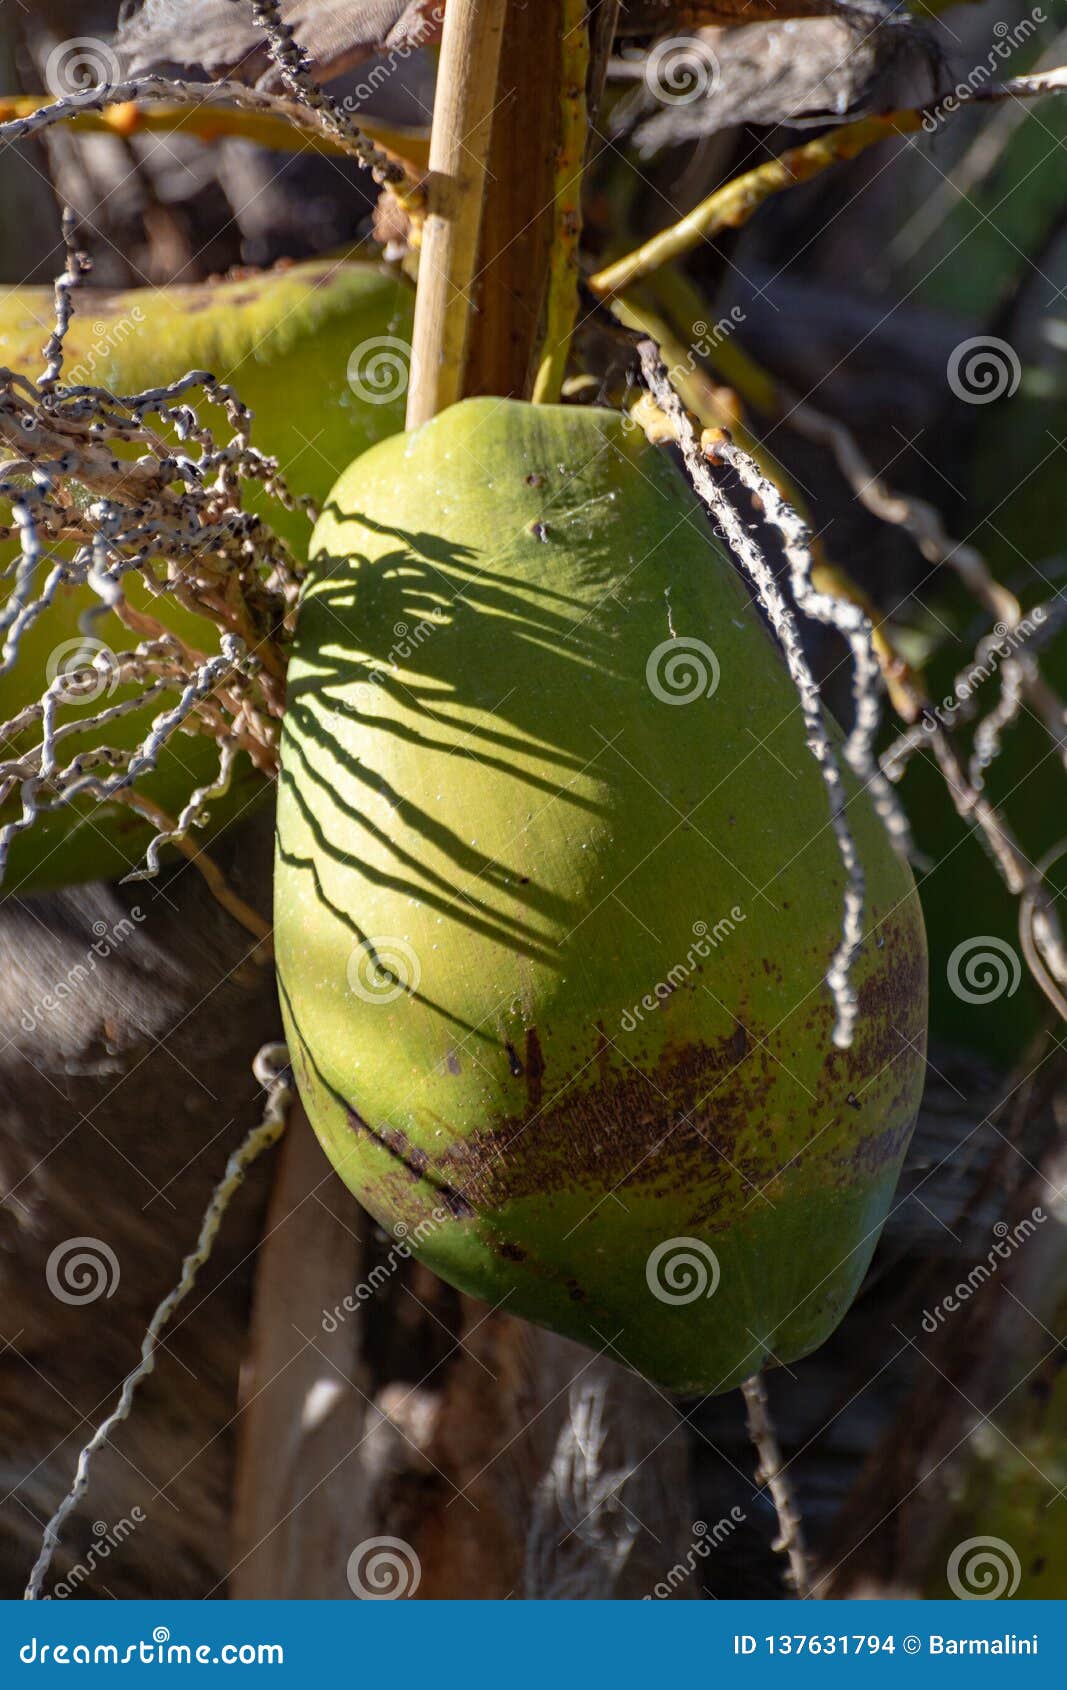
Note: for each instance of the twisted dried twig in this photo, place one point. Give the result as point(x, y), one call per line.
point(294, 66)
point(271, 1068)
point(782, 620)
point(923, 522)
point(770, 1472)
point(87, 517)
point(848, 618)
point(1010, 650)
point(343, 135)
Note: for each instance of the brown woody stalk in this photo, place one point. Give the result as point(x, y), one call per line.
point(459, 149)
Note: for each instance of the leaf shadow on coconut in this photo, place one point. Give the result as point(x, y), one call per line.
point(428, 579)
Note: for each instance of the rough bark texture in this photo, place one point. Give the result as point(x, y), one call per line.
point(118, 1109)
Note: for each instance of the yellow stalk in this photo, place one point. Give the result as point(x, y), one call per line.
point(734, 203)
point(445, 302)
point(409, 147)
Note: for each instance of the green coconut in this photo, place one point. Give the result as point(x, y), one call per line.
point(556, 895)
point(317, 352)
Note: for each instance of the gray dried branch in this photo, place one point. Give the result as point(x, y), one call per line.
point(851, 622)
point(780, 615)
point(923, 522)
point(1040, 928)
point(88, 515)
point(192, 812)
point(294, 68)
point(771, 1473)
point(1009, 650)
point(77, 268)
point(133, 90)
